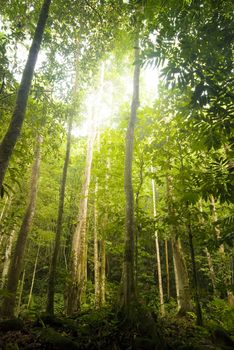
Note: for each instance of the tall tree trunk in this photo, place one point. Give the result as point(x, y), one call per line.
point(181, 273)
point(53, 264)
point(211, 271)
point(214, 220)
point(33, 277)
point(182, 280)
point(137, 219)
point(4, 213)
point(6, 205)
point(13, 132)
point(102, 283)
point(78, 249)
point(160, 284)
point(21, 288)
point(128, 263)
point(102, 251)
point(167, 270)
point(7, 257)
point(208, 255)
point(96, 255)
point(18, 256)
point(194, 269)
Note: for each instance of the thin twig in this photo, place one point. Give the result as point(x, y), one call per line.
point(93, 8)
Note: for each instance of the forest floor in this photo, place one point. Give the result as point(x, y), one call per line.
point(105, 330)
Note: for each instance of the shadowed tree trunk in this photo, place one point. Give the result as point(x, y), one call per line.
point(137, 224)
point(194, 269)
point(160, 284)
point(6, 206)
point(78, 250)
point(33, 277)
point(4, 214)
point(102, 284)
point(21, 288)
point(13, 132)
point(182, 280)
point(181, 273)
point(209, 257)
point(167, 269)
point(53, 264)
point(7, 257)
point(96, 255)
point(128, 264)
point(18, 255)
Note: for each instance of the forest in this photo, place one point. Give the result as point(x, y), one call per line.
point(116, 174)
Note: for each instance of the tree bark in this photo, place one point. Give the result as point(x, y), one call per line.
point(78, 250)
point(7, 206)
point(209, 257)
point(128, 264)
point(181, 273)
point(33, 277)
point(137, 220)
point(160, 284)
point(96, 255)
point(53, 264)
point(167, 270)
point(194, 269)
point(4, 213)
point(182, 280)
point(14, 129)
point(102, 283)
point(7, 257)
point(21, 288)
point(18, 256)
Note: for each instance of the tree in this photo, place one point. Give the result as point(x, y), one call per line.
point(18, 255)
point(53, 264)
point(14, 129)
point(128, 263)
point(78, 258)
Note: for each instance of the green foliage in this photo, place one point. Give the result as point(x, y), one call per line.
point(219, 314)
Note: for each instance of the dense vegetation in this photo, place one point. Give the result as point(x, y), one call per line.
point(116, 174)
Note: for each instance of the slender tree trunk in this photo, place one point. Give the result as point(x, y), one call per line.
point(137, 220)
point(18, 256)
point(4, 213)
point(214, 220)
point(33, 277)
point(167, 270)
point(160, 284)
point(181, 273)
point(97, 267)
point(5, 206)
point(209, 258)
point(176, 278)
point(13, 132)
point(7, 258)
point(53, 264)
point(183, 290)
point(96, 255)
point(21, 288)
point(102, 283)
point(128, 264)
point(211, 271)
point(102, 251)
point(194, 269)
point(76, 285)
